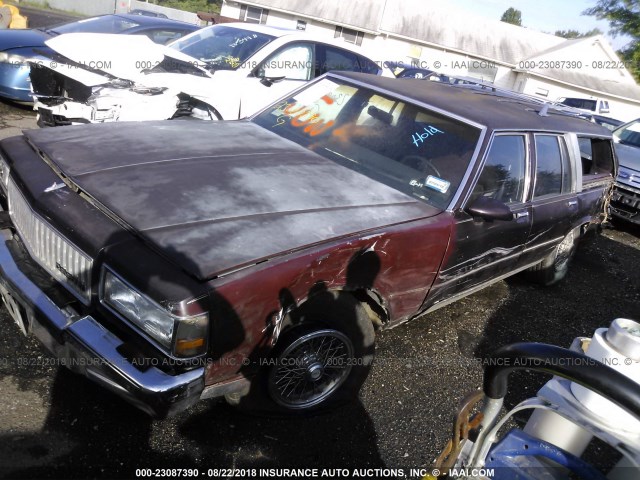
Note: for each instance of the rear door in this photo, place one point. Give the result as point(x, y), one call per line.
point(554, 202)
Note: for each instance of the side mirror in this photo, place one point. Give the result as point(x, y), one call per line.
point(489, 209)
point(268, 81)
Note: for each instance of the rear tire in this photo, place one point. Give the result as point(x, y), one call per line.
point(555, 266)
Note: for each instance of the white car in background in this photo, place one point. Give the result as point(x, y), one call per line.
point(224, 71)
point(589, 105)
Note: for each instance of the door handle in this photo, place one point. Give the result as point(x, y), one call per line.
point(572, 203)
point(522, 214)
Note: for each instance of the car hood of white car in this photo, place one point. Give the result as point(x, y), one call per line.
point(122, 56)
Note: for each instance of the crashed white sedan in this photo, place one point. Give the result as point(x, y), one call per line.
point(225, 71)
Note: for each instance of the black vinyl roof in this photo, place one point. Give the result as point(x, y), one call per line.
point(495, 110)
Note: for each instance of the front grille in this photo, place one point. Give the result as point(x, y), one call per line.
point(63, 260)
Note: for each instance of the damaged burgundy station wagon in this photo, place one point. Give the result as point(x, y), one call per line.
point(174, 261)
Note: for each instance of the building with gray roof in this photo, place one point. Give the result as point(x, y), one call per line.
point(456, 42)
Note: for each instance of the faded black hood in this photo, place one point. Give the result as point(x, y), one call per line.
point(214, 196)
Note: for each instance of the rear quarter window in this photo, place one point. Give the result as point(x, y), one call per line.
point(596, 157)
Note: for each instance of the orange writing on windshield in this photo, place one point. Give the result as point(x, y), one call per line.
point(303, 116)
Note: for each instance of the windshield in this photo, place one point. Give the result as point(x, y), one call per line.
point(221, 47)
point(629, 134)
point(103, 24)
point(412, 149)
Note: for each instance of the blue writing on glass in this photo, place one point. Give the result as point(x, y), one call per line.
point(418, 138)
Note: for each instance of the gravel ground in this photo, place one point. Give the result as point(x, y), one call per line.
point(15, 118)
point(55, 424)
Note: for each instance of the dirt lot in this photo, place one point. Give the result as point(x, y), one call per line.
point(54, 424)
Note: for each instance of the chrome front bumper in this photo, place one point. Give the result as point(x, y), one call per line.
point(86, 347)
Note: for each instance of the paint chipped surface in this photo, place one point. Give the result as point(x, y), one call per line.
point(201, 193)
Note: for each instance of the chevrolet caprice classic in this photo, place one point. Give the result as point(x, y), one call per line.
point(174, 261)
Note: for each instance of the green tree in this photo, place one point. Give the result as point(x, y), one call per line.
point(577, 34)
point(624, 18)
point(513, 16)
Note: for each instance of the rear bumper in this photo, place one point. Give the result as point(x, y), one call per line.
point(625, 203)
point(84, 346)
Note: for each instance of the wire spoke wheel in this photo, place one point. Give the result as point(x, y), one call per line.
point(311, 368)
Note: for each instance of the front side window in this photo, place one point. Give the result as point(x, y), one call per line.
point(503, 174)
point(220, 47)
point(412, 149)
point(553, 170)
point(294, 62)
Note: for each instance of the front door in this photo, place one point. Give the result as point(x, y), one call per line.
point(283, 71)
point(483, 250)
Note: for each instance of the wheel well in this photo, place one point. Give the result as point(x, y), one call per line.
point(373, 305)
point(371, 302)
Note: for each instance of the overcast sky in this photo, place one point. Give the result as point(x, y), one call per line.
point(543, 15)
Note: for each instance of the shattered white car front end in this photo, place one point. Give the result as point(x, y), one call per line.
point(92, 85)
point(109, 104)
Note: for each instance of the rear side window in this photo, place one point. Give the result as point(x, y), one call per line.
point(503, 175)
point(368, 66)
point(338, 59)
point(553, 168)
point(334, 58)
point(596, 156)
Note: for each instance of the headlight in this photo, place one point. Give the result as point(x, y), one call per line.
point(181, 336)
point(12, 58)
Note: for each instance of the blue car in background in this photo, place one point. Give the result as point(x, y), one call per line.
point(19, 46)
